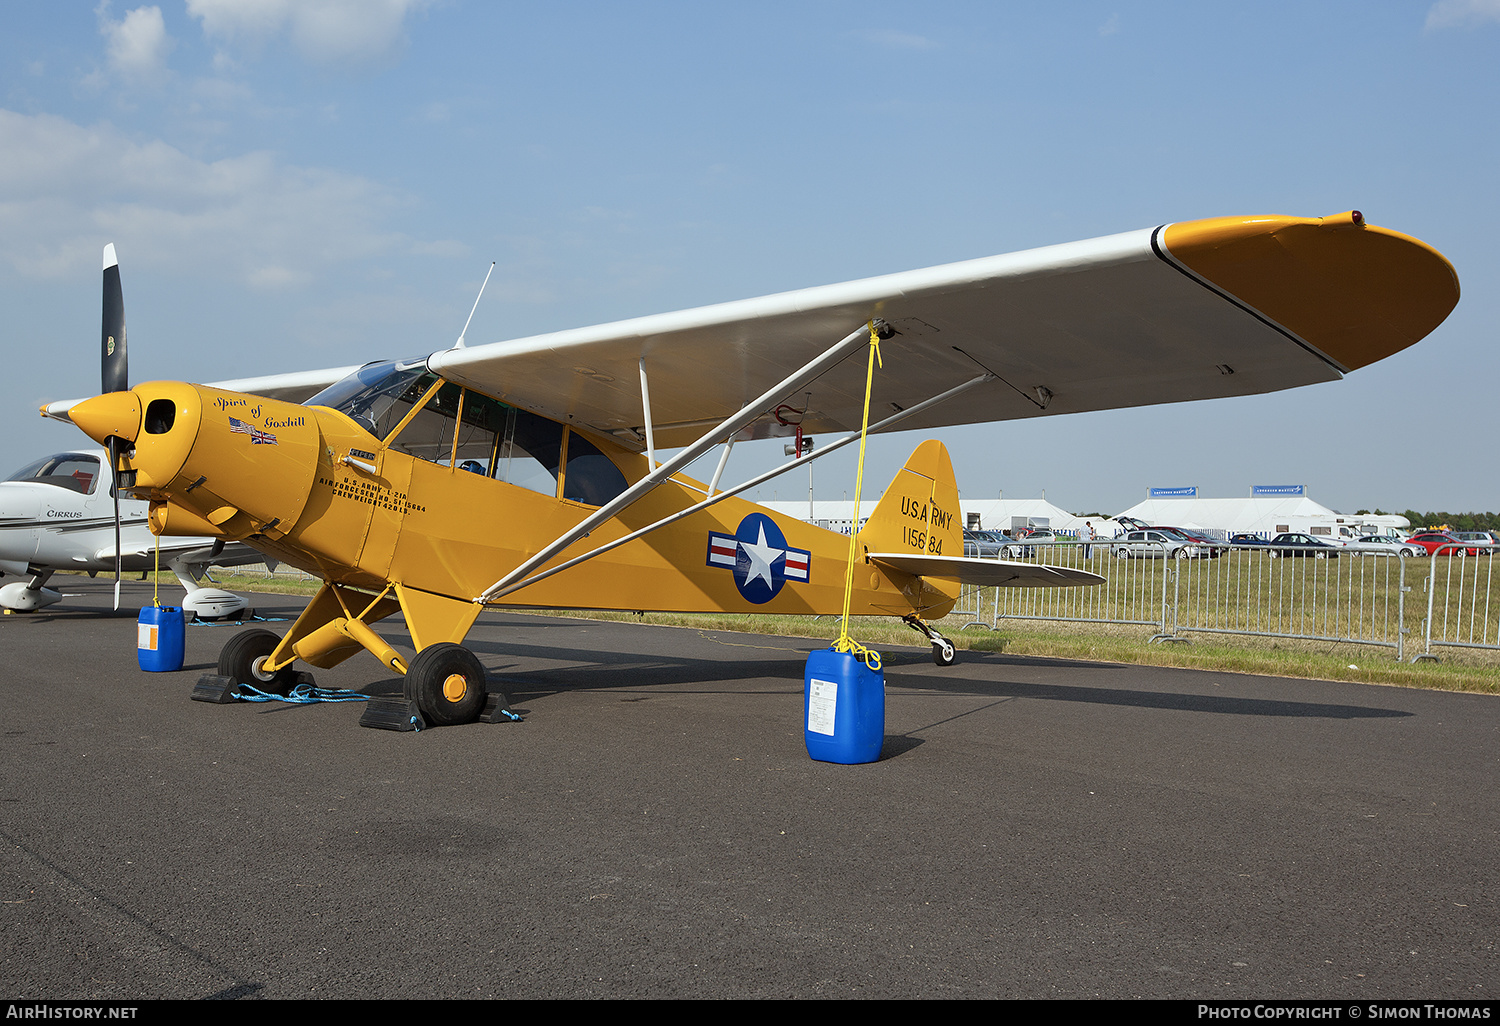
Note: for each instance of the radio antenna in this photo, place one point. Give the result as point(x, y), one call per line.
point(460, 343)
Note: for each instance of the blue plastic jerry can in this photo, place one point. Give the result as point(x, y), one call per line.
point(843, 703)
point(160, 639)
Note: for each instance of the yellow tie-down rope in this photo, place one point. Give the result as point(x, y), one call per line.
point(844, 642)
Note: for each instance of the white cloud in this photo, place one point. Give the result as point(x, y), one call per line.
point(1462, 13)
point(137, 46)
point(66, 189)
point(1111, 26)
point(323, 31)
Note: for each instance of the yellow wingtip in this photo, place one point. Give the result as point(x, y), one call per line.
point(1355, 291)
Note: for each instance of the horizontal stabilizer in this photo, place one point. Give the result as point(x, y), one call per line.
point(987, 573)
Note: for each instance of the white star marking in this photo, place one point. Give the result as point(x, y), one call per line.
point(761, 557)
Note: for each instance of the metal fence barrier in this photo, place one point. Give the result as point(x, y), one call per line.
point(1463, 607)
point(1343, 595)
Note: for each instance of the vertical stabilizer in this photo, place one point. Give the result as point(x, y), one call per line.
point(919, 512)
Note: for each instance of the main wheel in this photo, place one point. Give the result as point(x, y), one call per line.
point(447, 683)
point(942, 652)
point(241, 658)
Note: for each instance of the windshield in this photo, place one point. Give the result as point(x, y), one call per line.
point(75, 471)
point(377, 396)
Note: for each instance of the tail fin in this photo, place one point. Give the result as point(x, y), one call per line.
point(919, 512)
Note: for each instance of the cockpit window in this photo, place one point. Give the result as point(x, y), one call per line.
point(462, 428)
point(74, 471)
point(378, 396)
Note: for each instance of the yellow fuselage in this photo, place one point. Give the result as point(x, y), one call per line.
point(312, 487)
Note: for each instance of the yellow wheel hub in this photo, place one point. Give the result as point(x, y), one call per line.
point(455, 687)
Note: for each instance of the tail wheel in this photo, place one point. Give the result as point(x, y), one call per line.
point(447, 683)
point(942, 652)
point(242, 657)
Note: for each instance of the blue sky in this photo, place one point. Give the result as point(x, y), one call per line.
point(304, 184)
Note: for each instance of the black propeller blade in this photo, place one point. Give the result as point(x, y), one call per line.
point(114, 376)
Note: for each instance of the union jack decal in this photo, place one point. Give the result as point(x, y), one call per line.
point(257, 436)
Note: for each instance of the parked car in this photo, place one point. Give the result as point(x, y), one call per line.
point(1031, 540)
point(1154, 544)
point(1385, 545)
point(1295, 543)
point(1481, 539)
point(1207, 546)
point(1433, 542)
point(1248, 539)
point(1000, 538)
point(982, 545)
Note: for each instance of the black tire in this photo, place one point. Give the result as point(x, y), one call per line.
point(943, 653)
point(447, 683)
point(240, 659)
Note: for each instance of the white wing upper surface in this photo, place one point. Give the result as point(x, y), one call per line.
point(1193, 310)
point(1105, 323)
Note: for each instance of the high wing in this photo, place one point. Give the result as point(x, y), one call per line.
point(1192, 310)
point(294, 387)
point(986, 573)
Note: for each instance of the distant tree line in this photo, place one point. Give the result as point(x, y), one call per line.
point(1457, 521)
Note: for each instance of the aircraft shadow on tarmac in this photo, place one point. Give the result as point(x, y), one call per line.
point(781, 660)
point(600, 669)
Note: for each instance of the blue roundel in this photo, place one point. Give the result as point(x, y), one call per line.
point(759, 557)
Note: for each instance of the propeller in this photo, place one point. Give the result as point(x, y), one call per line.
point(114, 376)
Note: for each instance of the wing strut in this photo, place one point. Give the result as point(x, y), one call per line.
point(646, 409)
point(502, 589)
point(719, 470)
point(748, 413)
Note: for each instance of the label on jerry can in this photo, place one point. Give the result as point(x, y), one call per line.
point(822, 706)
point(145, 637)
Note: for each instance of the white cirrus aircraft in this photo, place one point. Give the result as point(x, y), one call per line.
point(57, 514)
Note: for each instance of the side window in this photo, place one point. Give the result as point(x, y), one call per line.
point(499, 441)
point(531, 452)
point(591, 476)
point(481, 426)
point(429, 435)
point(381, 409)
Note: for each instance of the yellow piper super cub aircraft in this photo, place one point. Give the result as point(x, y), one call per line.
point(524, 473)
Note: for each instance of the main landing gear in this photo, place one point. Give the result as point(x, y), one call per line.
point(444, 686)
point(943, 652)
point(447, 683)
point(243, 659)
point(444, 683)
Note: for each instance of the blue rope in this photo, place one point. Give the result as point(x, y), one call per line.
point(302, 694)
point(307, 694)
